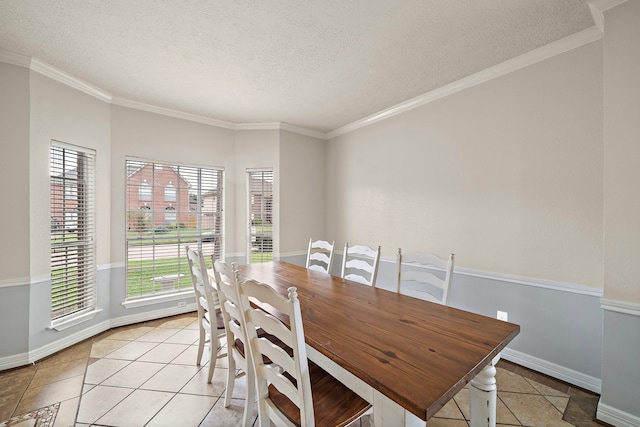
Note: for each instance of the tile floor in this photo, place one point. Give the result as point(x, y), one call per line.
point(144, 375)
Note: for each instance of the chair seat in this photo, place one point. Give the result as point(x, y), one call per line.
point(334, 404)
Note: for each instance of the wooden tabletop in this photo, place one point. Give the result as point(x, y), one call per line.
point(417, 353)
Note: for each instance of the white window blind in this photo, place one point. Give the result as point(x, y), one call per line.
point(182, 206)
point(260, 215)
point(72, 197)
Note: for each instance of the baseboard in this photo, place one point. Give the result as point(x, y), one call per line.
point(68, 341)
point(33, 356)
point(616, 417)
point(556, 371)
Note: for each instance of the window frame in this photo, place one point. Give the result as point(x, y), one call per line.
point(72, 206)
point(260, 222)
point(163, 275)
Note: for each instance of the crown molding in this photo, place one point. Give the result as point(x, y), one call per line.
point(15, 59)
point(69, 80)
point(565, 44)
point(172, 113)
point(281, 126)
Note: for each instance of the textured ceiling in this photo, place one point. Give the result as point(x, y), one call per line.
point(315, 64)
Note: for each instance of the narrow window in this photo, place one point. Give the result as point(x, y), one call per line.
point(184, 210)
point(260, 215)
point(72, 199)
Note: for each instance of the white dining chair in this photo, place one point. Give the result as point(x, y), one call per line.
point(415, 276)
point(292, 391)
point(206, 302)
point(320, 255)
point(360, 264)
point(226, 279)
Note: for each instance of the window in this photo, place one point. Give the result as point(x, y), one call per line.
point(169, 193)
point(170, 216)
point(72, 199)
point(144, 191)
point(260, 215)
point(159, 229)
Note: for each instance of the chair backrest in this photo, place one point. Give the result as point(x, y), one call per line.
point(226, 278)
point(206, 294)
point(360, 264)
point(415, 276)
point(320, 255)
point(296, 385)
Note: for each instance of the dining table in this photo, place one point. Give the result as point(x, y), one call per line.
point(406, 356)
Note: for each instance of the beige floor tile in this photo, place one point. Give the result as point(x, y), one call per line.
point(445, 422)
point(8, 404)
point(193, 325)
point(220, 416)
point(15, 384)
point(184, 410)
point(508, 381)
point(198, 384)
point(560, 403)
point(177, 323)
point(67, 413)
point(185, 336)
point(188, 357)
point(136, 409)
point(103, 347)
point(102, 369)
point(39, 397)
point(163, 353)
point(56, 372)
point(130, 334)
point(171, 378)
point(133, 375)
point(462, 399)
point(503, 414)
point(533, 410)
point(132, 350)
point(99, 401)
point(450, 410)
point(75, 352)
point(545, 390)
point(158, 334)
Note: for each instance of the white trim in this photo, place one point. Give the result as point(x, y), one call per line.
point(33, 356)
point(620, 306)
point(573, 41)
point(172, 113)
point(556, 371)
point(526, 281)
point(69, 80)
point(73, 320)
point(616, 417)
point(15, 59)
point(157, 299)
point(18, 281)
point(281, 126)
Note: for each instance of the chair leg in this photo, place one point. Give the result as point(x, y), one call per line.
point(201, 342)
point(250, 405)
point(231, 379)
point(213, 356)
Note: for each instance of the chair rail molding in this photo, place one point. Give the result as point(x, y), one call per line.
point(623, 307)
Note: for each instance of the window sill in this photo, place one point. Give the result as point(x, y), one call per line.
point(73, 320)
point(157, 299)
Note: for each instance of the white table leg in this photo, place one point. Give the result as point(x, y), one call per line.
point(387, 413)
point(482, 398)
